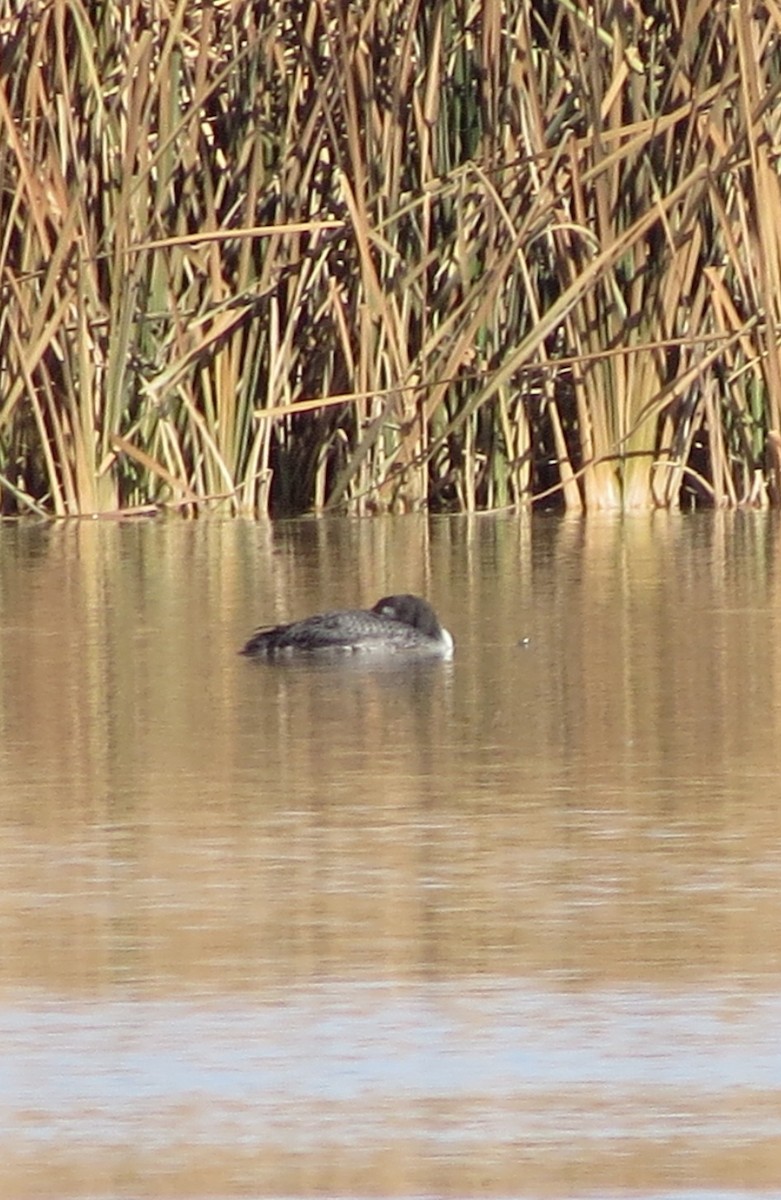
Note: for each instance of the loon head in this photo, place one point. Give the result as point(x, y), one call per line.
point(413, 611)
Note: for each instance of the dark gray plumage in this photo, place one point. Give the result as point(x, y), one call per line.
point(397, 624)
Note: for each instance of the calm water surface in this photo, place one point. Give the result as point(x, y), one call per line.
point(508, 926)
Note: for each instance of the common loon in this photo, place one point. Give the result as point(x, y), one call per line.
point(396, 625)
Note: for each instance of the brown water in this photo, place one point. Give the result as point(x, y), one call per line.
point(509, 926)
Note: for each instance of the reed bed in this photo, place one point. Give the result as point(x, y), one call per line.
point(278, 257)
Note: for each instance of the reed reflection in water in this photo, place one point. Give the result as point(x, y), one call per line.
point(507, 925)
